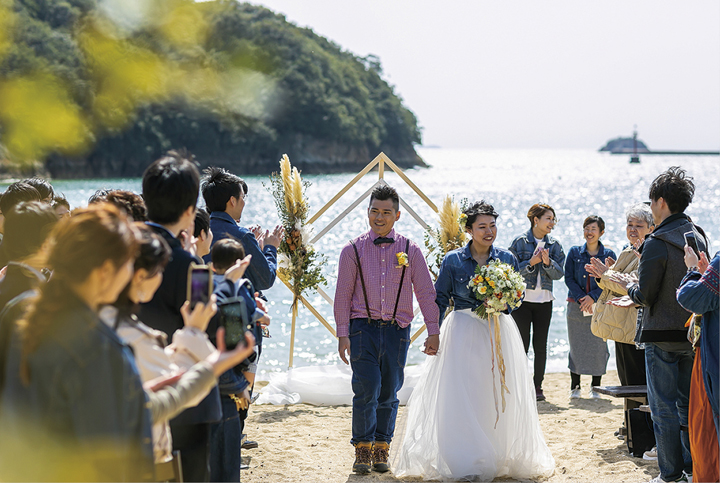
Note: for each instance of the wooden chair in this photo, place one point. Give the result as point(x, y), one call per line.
point(170, 470)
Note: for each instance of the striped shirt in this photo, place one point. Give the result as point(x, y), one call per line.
point(382, 278)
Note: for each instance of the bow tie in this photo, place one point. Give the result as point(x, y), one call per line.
point(381, 239)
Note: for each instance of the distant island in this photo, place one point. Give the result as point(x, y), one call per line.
point(236, 84)
point(623, 145)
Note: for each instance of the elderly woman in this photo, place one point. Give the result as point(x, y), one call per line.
point(588, 353)
point(620, 323)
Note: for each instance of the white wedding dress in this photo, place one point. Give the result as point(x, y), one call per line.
point(450, 420)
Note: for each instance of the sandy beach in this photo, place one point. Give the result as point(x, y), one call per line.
point(304, 443)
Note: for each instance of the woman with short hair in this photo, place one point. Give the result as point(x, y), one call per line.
point(541, 260)
point(588, 353)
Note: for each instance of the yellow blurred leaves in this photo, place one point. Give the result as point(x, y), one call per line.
point(184, 24)
point(7, 21)
point(39, 116)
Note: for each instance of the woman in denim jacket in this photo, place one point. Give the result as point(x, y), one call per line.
point(588, 353)
point(456, 423)
point(541, 260)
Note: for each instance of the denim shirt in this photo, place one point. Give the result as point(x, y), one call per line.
point(263, 265)
point(523, 248)
point(457, 268)
point(576, 276)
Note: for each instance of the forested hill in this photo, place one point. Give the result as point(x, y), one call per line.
point(101, 89)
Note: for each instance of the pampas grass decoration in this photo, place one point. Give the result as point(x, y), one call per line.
point(286, 176)
point(297, 192)
point(448, 217)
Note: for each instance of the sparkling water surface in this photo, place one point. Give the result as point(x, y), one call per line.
point(577, 183)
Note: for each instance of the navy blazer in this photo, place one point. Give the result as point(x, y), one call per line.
point(163, 313)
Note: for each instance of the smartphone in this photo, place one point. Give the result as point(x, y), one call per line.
point(200, 284)
point(692, 242)
point(233, 316)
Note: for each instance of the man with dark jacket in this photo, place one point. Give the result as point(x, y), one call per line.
point(668, 354)
point(170, 189)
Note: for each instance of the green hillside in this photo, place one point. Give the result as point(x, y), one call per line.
point(96, 89)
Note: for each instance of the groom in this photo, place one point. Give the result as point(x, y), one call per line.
point(377, 274)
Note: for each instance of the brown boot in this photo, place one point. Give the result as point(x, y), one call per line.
point(363, 458)
point(380, 452)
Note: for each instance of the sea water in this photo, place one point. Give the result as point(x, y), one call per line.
point(577, 183)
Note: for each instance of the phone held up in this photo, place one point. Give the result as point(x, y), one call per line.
point(233, 316)
point(200, 284)
point(691, 241)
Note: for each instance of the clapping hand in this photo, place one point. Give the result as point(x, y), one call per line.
point(624, 279)
point(274, 237)
point(596, 268)
point(537, 257)
point(586, 304)
point(623, 302)
point(545, 255)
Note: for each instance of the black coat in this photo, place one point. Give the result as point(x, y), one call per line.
point(163, 313)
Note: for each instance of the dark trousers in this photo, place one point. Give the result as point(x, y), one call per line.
point(193, 442)
point(630, 364)
point(225, 444)
point(378, 352)
point(537, 315)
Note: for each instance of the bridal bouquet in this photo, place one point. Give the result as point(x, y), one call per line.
point(498, 286)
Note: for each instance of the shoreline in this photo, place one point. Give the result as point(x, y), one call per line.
point(304, 443)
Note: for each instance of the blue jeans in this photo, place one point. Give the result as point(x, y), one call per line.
point(225, 443)
point(668, 384)
point(378, 351)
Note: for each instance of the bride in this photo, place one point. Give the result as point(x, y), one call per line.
point(456, 425)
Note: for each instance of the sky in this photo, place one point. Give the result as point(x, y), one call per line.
point(530, 74)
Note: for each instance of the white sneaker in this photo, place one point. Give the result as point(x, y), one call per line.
point(687, 477)
point(593, 394)
point(575, 393)
point(650, 455)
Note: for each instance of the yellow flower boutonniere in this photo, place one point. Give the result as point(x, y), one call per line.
point(402, 259)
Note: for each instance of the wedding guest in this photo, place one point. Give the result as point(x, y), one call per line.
point(132, 203)
point(236, 303)
point(14, 194)
point(588, 353)
point(61, 206)
point(43, 186)
point(203, 234)
point(170, 190)
point(541, 260)
point(616, 323)
point(373, 311)
point(225, 196)
point(699, 293)
point(153, 356)
point(73, 407)
point(668, 354)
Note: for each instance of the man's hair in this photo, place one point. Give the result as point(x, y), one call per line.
point(60, 200)
point(17, 193)
point(225, 253)
point(478, 208)
point(202, 223)
point(385, 192)
point(170, 186)
point(594, 219)
point(219, 185)
point(675, 187)
point(27, 226)
point(132, 203)
point(43, 187)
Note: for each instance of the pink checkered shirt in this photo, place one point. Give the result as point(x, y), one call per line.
point(382, 278)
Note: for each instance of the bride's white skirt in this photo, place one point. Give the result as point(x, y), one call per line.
point(450, 418)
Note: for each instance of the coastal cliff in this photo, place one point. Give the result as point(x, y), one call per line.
point(236, 84)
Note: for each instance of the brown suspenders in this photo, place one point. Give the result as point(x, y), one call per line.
point(362, 281)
